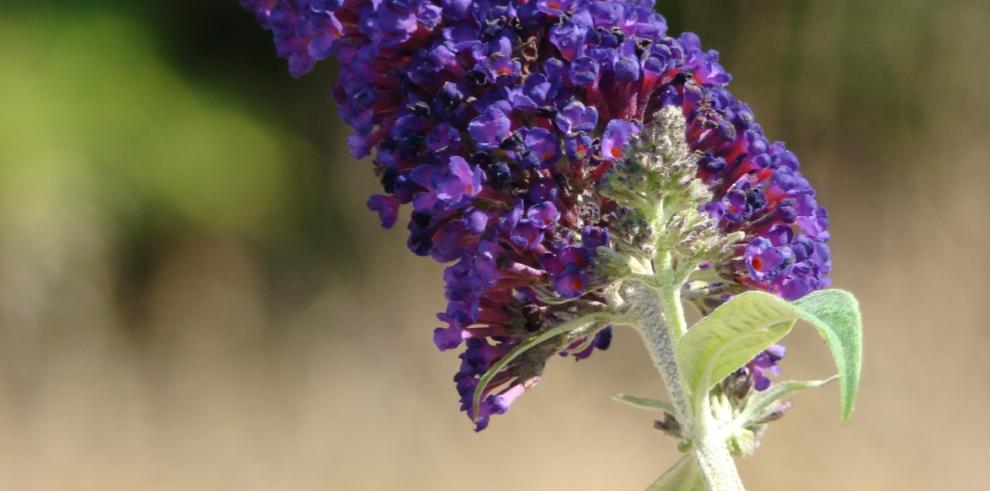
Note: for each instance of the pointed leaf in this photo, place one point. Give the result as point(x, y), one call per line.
point(683, 476)
point(645, 403)
point(836, 315)
point(749, 323)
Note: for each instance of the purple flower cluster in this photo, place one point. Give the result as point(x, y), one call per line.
point(496, 120)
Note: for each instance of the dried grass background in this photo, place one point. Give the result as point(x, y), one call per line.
point(193, 297)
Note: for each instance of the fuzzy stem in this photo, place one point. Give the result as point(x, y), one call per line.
point(645, 309)
point(660, 316)
point(714, 460)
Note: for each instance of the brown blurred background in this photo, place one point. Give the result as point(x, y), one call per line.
point(193, 297)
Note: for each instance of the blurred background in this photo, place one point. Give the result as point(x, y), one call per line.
point(193, 296)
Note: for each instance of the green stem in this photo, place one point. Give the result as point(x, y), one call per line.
point(670, 297)
point(660, 315)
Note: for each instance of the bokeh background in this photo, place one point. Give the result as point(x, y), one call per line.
point(193, 297)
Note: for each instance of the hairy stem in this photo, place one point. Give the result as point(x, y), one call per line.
point(645, 309)
point(660, 316)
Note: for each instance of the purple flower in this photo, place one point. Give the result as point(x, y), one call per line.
point(585, 71)
point(542, 148)
point(765, 364)
point(543, 215)
point(496, 120)
point(763, 259)
point(617, 134)
point(387, 208)
point(569, 39)
point(489, 129)
point(459, 181)
point(575, 117)
point(570, 285)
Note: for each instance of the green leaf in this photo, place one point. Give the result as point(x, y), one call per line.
point(730, 337)
point(836, 315)
point(759, 402)
point(749, 323)
point(645, 403)
point(526, 346)
point(683, 476)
